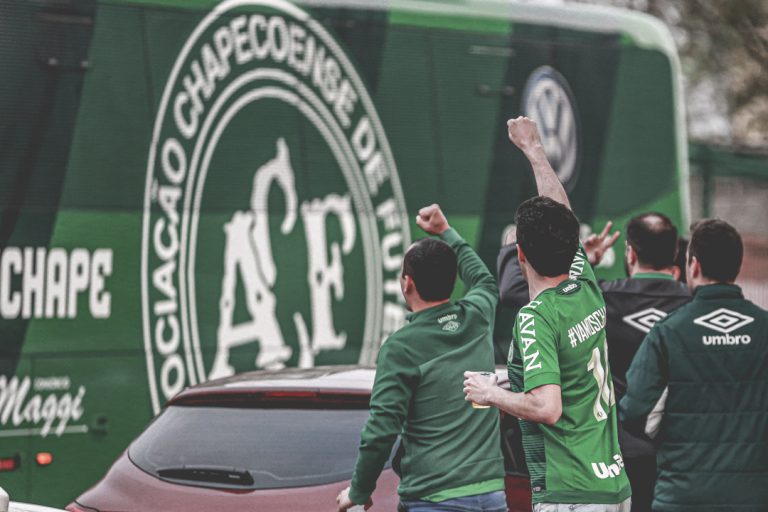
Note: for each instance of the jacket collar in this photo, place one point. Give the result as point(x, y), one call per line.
point(717, 291)
point(653, 275)
point(429, 311)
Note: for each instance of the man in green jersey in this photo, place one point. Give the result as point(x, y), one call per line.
point(558, 365)
point(452, 459)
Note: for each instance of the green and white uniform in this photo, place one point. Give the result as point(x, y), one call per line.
point(559, 338)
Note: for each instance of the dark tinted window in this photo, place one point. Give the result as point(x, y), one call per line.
point(262, 448)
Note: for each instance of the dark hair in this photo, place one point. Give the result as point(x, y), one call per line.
point(548, 233)
point(717, 245)
point(654, 239)
point(431, 263)
point(682, 249)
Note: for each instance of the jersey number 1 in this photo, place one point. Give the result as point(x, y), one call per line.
point(604, 384)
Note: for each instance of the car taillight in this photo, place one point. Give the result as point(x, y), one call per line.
point(10, 463)
point(76, 507)
point(289, 394)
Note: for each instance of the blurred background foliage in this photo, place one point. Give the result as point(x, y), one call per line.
point(723, 46)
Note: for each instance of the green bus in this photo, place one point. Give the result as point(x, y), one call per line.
point(191, 189)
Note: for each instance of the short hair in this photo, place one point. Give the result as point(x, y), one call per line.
point(431, 263)
point(682, 250)
point(654, 239)
point(548, 233)
point(717, 245)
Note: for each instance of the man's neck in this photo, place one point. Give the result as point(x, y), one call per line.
point(705, 281)
point(540, 283)
point(420, 305)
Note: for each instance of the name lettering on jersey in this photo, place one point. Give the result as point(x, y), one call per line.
point(528, 337)
point(591, 325)
point(610, 470)
point(577, 266)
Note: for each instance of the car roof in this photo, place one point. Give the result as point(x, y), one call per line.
point(353, 380)
point(328, 380)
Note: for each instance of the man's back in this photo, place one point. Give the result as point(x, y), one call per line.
point(634, 305)
point(446, 442)
point(704, 371)
point(450, 450)
point(559, 338)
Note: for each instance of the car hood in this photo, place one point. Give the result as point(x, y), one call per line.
point(126, 488)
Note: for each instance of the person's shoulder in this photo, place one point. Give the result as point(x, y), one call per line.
point(651, 287)
point(677, 317)
point(542, 307)
point(615, 285)
point(397, 341)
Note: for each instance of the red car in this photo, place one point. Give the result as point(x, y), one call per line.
point(269, 440)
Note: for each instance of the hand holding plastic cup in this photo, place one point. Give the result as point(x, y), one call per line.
point(478, 406)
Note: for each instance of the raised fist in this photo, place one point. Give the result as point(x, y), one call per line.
point(432, 220)
point(524, 133)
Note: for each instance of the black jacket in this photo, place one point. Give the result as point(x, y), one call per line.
point(633, 306)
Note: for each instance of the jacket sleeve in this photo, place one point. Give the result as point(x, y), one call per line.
point(513, 289)
point(396, 377)
point(642, 408)
point(480, 283)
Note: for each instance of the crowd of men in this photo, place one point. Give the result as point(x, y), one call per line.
point(636, 394)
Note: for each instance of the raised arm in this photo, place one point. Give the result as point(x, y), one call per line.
point(481, 285)
point(525, 135)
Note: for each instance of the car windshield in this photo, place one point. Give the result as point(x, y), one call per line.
point(254, 448)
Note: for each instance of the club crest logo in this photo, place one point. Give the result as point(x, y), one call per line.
point(548, 100)
point(644, 320)
point(274, 221)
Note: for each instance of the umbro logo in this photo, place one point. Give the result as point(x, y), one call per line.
point(451, 326)
point(724, 320)
point(645, 319)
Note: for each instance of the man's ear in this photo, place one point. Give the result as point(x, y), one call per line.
point(521, 254)
point(408, 285)
point(631, 255)
point(694, 266)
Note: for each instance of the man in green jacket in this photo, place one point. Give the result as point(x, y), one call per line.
point(452, 457)
point(699, 386)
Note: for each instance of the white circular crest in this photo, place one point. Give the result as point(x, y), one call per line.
point(243, 52)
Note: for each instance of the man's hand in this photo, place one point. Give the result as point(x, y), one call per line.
point(479, 388)
point(432, 220)
point(595, 246)
point(343, 503)
point(524, 134)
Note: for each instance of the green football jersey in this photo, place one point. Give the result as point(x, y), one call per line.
point(559, 338)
